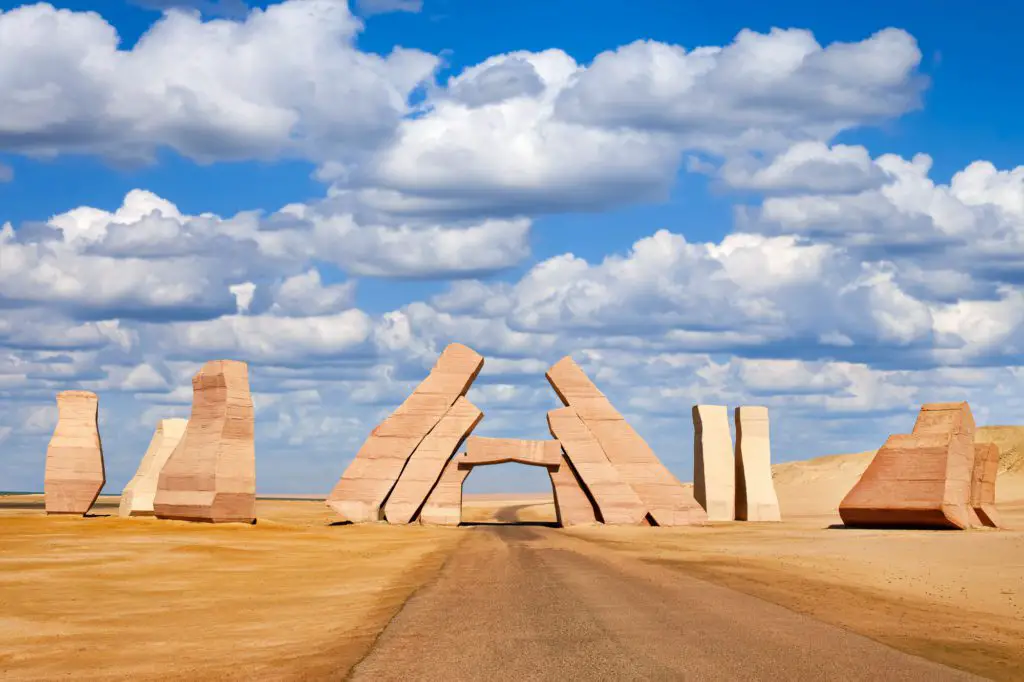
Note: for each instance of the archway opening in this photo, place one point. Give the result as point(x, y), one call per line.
point(509, 493)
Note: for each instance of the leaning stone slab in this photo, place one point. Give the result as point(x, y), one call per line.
point(572, 506)
point(983, 486)
point(373, 473)
point(138, 495)
point(755, 491)
point(482, 450)
point(428, 461)
point(617, 503)
point(921, 479)
point(668, 503)
point(74, 459)
point(714, 468)
point(211, 475)
point(444, 504)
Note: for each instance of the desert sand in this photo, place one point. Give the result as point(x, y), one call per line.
point(295, 597)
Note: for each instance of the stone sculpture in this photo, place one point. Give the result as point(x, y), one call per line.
point(444, 504)
point(138, 495)
point(714, 465)
point(668, 503)
point(755, 491)
point(920, 479)
point(211, 475)
point(74, 459)
point(373, 473)
point(429, 459)
point(572, 505)
point(983, 486)
point(615, 501)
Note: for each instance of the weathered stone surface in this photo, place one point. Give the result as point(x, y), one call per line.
point(714, 464)
point(74, 459)
point(921, 479)
point(481, 450)
point(444, 504)
point(211, 475)
point(138, 495)
point(617, 503)
point(983, 485)
point(429, 459)
point(755, 491)
point(572, 505)
point(376, 468)
point(668, 503)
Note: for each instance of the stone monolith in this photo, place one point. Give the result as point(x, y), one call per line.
point(714, 465)
point(983, 485)
point(572, 505)
point(668, 503)
point(444, 503)
point(373, 473)
point(755, 491)
point(138, 495)
point(427, 462)
point(211, 474)
point(920, 479)
point(617, 503)
point(74, 459)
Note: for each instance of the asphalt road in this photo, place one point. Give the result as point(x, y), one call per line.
point(525, 603)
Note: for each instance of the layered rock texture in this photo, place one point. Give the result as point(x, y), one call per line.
point(368, 481)
point(756, 499)
point(138, 495)
point(714, 468)
point(924, 479)
point(74, 459)
point(211, 474)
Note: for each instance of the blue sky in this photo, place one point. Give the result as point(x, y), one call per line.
point(749, 224)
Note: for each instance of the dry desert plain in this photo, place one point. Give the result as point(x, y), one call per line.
point(294, 597)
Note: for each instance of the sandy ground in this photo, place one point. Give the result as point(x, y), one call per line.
point(294, 597)
point(289, 598)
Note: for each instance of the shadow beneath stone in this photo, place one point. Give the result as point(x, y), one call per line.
point(340, 523)
point(937, 529)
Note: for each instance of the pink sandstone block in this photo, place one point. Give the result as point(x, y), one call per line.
point(983, 485)
point(138, 495)
point(444, 503)
point(371, 476)
point(616, 502)
point(714, 468)
point(211, 474)
point(74, 459)
point(668, 503)
point(425, 466)
point(921, 479)
point(755, 491)
point(481, 450)
point(572, 505)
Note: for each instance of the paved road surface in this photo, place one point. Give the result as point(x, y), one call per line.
point(523, 603)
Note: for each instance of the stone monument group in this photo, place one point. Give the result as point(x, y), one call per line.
point(412, 466)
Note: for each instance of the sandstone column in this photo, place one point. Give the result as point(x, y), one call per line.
point(138, 495)
point(375, 470)
point(668, 503)
point(572, 506)
point(211, 475)
point(74, 459)
point(444, 504)
point(428, 461)
point(983, 485)
point(714, 468)
point(755, 491)
point(617, 503)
